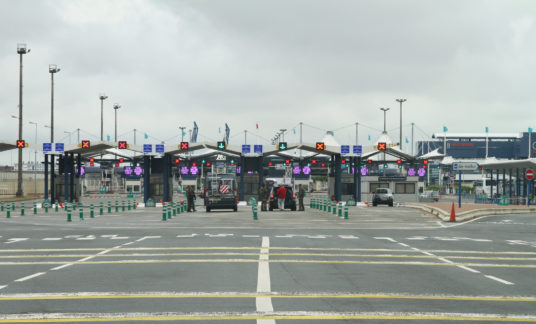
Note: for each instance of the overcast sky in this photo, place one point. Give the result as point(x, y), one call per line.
point(329, 64)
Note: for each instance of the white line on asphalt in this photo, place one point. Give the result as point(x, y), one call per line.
point(499, 280)
point(52, 238)
point(264, 304)
point(146, 237)
point(62, 266)
point(441, 224)
point(386, 238)
point(30, 276)
point(468, 269)
point(128, 243)
point(250, 235)
point(445, 260)
point(403, 244)
point(14, 240)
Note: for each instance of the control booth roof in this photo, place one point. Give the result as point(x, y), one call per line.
point(6, 146)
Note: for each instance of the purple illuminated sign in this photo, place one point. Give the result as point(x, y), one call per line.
point(296, 170)
point(421, 172)
point(184, 170)
point(364, 170)
point(238, 169)
point(306, 170)
point(194, 170)
point(82, 171)
point(128, 170)
point(412, 172)
point(138, 170)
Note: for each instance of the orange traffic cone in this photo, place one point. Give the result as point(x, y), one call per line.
point(452, 214)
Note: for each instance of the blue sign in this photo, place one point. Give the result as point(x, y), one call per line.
point(147, 148)
point(345, 149)
point(246, 149)
point(47, 147)
point(358, 150)
point(159, 148)
point(60, 147)
point(257, 149)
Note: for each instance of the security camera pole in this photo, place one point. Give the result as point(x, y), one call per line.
point(21, 49)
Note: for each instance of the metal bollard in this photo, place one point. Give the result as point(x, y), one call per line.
point(13, 206)
point(46, 206)
point(345, 212)
point(100, 208)
point(325, 207)
point(122, 205)
point(116, 206)
point(340, 209)
point(57, 206)
point(329, 207)
point(8, 213)
point(164, 212)
point(35, 208)
point(174, 207)
point(74, 205)
point(81, 207)
point(2, 205)
point(91, 212)
point(109, 207)
point(22, 208)
point(168, 211)
point(334, 207)
point(128, 205)
point(134, 204)
point(68, 210)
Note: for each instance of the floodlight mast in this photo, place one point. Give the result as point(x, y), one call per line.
point(102, 97)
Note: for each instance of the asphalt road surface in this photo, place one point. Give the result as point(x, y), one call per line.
point(382, 265)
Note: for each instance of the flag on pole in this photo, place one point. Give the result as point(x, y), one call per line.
point(487, 129)
point(369, 137)
point(407, 140)
point(107, 138)
point(445, 129)
point(294, 131)
point(146, 136)
point(257, 125)
point(219, 130)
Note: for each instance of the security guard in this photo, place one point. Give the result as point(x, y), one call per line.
point(262, 197)
point(301, 194)
point(190, 195)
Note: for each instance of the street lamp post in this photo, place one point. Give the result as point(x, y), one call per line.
point(102, 97)
point(116, 106)
point(283, 130)
point(35, 159)
point(66, 132)
point(52, 69)
point(21, 50)
point(401, 101)
point(384, 119)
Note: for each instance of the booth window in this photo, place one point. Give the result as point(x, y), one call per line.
point(405, 188)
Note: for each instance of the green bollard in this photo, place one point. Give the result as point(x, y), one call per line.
point(13, 206)
point(325, 207)
point(74, 204)
point(57, 206)
point(91, 212)
point(2, 205)
point(22, 208)
point(100, 208)
point(334, 204)
point(46, 207)
point(168, 211)
point(345, 212)
point(329, 207)
point(254, 207)
point(340, 209)
point(178, 208)
point(312, 203)
point(122, 205)
point(174, 207)
point(81, 207)
point(68, 210)
point(109, 207)
point(35, 208)
point(129, 205)
point(8, 213)
point(164, 213)
point(116, 206)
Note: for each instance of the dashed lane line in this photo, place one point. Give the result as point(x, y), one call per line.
point(499, 280)
point(264, 304)
point(30, 277)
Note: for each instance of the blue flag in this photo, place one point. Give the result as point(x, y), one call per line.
point(219, 130)
point(108, 138)
point(407, 140)
point(369, 137)
point(146, 136)
point(294, 131)
point(445, 129)
point(487, 129)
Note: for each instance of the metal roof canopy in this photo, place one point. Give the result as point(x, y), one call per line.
point(6, 146)
point(510, 164)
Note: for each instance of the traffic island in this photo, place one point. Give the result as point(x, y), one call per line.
point(469, 211)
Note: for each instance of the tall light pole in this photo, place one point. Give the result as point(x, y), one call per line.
point(35, 159)
point(401, 101)
point(116, 106)
point(283, 130)
point(21, 50)
point(52, 69)
point(384, 119)
point(102, 97)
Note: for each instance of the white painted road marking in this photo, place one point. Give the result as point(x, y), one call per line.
point(30, 276)
point(264, 304)
point(15, 239)
point(499, 280)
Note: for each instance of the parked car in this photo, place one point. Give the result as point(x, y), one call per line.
point(383, 196)
point(429, 195)
point(290, 200)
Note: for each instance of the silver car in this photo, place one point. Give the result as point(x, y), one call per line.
point(383, 196)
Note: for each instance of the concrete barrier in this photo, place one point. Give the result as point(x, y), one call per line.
point(471, 214)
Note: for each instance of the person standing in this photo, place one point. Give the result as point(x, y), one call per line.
point(262, 197)
point(281, 195)
point(190, 195)
point(301, 194)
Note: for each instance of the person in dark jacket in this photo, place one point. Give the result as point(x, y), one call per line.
point(190, 195)
point(262, 197)
point(301, 194)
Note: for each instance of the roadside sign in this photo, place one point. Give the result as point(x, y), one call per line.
point(529, 174)
point(257, 149)
point(47, 147)
point(147, 148)
point(246, 149)
point(159, 148)
point(358, 150)
point(464, 166)
point(60, 147)
point(345, 149)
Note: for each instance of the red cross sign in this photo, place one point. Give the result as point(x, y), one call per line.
point(122, 144)
point(86, 144)
point(320, 146)
point(184, 145)
point(21, 144)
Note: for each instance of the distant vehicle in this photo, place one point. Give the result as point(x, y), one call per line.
point(220, 191)
point(290, 200)
point(429, 195)
point(483, 186)
point(383, 196)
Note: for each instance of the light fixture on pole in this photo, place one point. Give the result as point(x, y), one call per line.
point(21, 50)
point(102, 97)
point(116, 106)
point(384, 119)
point(35, 159)
point(52, 69)
point(283, 130)
point(401, 101)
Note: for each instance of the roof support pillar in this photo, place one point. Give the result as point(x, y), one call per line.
point(165, 174)
point(146, 177)
point(338, 185)
point(242, 173)
point(46, 177)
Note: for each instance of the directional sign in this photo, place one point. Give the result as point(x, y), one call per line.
point(47, 147)
point(159, 148)
point(464, 166)
point(221, 145)
point(147, 148)
point(60, 147)
point(529, 174)
point(282, 146)
point(257, 149)
point(358, 150)
point(345, 149)
point(246, 149)
point(21, 144)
